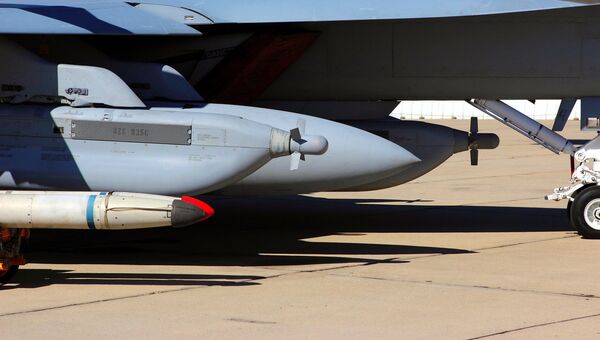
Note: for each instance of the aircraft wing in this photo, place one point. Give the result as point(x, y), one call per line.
point(92, 17)
point(174, 17)
point(278, 11)
point(159, 17)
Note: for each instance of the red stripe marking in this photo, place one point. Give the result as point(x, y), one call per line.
point(248, 71)
point(208, 210)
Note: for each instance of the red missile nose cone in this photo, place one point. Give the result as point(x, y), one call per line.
point(187, 211)
point(208, 210)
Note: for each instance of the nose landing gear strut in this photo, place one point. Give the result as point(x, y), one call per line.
point(583, 192)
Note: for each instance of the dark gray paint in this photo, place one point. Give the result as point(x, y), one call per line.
point(131, 132)
point(538, 55)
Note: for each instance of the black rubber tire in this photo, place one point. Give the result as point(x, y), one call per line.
point(8, 275)
point(569, 210)
point(578, 209)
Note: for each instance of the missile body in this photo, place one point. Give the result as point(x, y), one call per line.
point(97, 210)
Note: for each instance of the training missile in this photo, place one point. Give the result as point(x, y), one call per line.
point(98, 210)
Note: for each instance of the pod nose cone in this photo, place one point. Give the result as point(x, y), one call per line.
point(387, 157)
point(189, 210)
point(310, 145)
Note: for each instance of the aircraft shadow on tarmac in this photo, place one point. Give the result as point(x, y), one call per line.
point(35, 278)
point(272, 232)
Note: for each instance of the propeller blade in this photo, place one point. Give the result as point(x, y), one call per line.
point(301, 124)
point(296, 135)
point(474, 125)
point(295, 162)
point(474, 157)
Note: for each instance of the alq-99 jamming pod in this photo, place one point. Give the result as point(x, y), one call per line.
point(98, 210)
point(137, 150)
point(353, 157)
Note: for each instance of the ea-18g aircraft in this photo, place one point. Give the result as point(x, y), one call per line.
point(116, 114)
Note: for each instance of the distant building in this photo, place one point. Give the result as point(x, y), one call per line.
point(414, 110)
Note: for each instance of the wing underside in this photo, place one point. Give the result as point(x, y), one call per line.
point(277, 11)
point(92, 17)
point(175, 17)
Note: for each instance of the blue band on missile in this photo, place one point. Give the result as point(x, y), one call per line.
point(89, 212)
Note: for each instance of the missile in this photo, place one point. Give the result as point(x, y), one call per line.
point(98, 210)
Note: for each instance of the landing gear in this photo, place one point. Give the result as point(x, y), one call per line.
point(583, 209)
point(585, 212)
point(11, 257)
point(583, 194)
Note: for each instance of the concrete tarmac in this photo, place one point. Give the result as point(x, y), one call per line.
point(463, 252)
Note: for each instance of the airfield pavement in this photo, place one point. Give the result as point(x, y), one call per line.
point(463, 252)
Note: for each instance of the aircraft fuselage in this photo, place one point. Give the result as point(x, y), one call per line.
point(537, 55)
